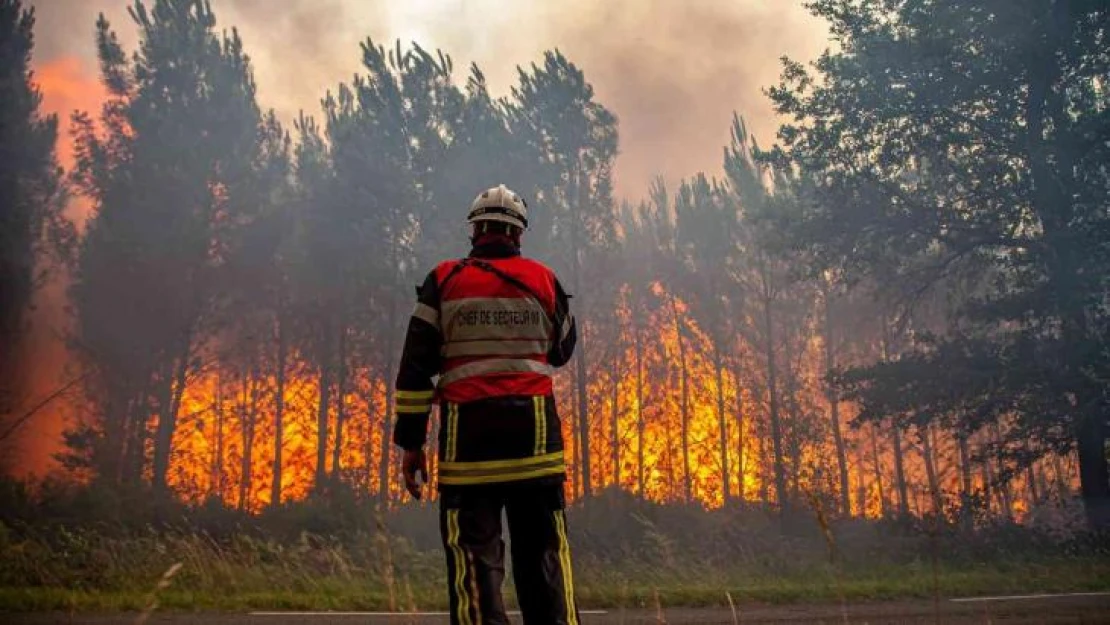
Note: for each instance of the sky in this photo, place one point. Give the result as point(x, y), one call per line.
point(673, 72)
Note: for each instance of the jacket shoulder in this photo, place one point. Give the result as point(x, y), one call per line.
point(443, 267)
point(535, 265)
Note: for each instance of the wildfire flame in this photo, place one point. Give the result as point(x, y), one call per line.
point(225, 441)
point(222, 410)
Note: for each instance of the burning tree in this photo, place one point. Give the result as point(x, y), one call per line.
point(241, 293)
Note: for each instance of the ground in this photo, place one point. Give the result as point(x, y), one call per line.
point(1085, 608)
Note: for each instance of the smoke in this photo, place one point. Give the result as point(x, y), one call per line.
point(673, 72)
point(65, 85)
point(301, 48)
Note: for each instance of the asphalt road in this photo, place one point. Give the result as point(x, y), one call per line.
point(1085, 609)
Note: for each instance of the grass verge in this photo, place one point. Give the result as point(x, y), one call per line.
point(600, 589)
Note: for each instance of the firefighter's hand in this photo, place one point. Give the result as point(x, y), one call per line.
point(414, 462)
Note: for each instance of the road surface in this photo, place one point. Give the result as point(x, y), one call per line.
point(1085, 608)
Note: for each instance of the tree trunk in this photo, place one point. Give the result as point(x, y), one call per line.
point(861, 485)
point(322, 407)
point(1094, 477)
point(878, 467)
point(1060, 478)
point(384, 476)
point(167, 419)
point(988, 481)
point(614, 423)
point(1052, 176)
point(370, 465)
point(721, 422)
point(640, 425)
point(773, 401)
point(1034, 491)
point(218, 456)
point(246, 431)
point(740, 434)
point(687, 483)
point(341, 404)
point(965, 480)
point(764, 483)
point(580, 193)
point(896, 435)
point(834, 411)
point(1005, 501)
point(900, 471)
point(117, 413)
point(279, 415)
point(931, 468)
point(137, 433)
point(133, 438)
point(583, 424)
point(793, 440)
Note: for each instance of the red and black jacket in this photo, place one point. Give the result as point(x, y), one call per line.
point(492, 328)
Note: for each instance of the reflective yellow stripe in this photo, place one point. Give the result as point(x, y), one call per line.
point(564, 564)
point(416, 395)
point(452, 434)
point(461, 594)
point(486, 465)
point(541, 425)
point(405, 409)
point(453, 480)
point(506, 472)
point(496, 471)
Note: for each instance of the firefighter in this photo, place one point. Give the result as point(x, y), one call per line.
point(492, 327)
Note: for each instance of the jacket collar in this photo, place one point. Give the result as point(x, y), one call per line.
point(494, 249)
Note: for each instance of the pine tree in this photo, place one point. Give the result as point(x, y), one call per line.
point(181, 130)
point(30, 195)
point(958, 142)
point(576, 137)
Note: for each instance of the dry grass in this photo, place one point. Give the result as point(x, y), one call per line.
point(627, 554)
point(597, 589)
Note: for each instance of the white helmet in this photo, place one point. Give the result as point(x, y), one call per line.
point(499, 204)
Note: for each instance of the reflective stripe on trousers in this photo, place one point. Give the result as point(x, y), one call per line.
point(472, 534)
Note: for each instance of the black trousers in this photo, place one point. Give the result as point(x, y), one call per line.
point(470, 524)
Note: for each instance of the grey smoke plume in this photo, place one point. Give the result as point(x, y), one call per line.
point(673, 71)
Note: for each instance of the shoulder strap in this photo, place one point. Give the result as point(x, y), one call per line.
point(451, 274)
point(483, 265)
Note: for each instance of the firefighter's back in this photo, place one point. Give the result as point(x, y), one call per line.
point(498, 321)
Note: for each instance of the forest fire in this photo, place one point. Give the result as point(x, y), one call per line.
point(224, 444)
point(865, 356)
point(684, 398)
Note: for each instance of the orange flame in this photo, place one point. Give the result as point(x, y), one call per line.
point(221, 412)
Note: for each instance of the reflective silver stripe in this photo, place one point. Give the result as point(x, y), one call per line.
point(568, 323)
point(494, 318)
point(427, 313)
point(498, 365)
point(495, 348)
